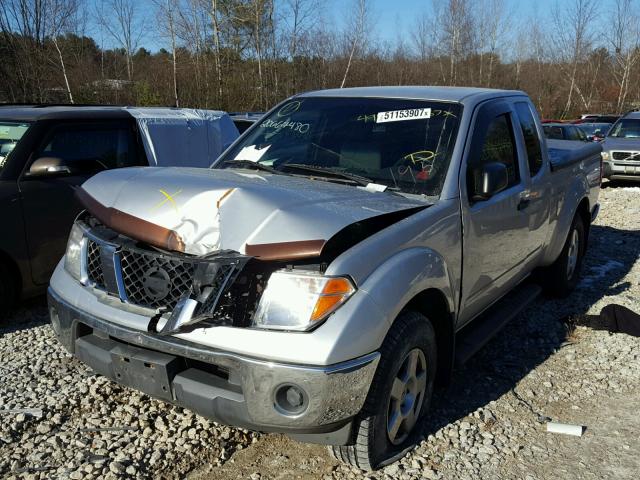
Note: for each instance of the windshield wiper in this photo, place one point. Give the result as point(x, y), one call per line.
point(250, 164)
point(328, 172)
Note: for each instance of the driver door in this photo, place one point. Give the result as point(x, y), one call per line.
point(49, 204)
point(496, 240)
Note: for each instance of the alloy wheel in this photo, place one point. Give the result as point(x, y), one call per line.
point(406, 396)
point(573, 253)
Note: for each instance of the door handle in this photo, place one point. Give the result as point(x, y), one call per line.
point(524, 203)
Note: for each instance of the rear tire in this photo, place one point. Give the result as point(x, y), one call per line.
point(7, 289)
point(562, 276)
point(399, 396)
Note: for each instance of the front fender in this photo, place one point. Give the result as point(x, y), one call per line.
point(404, 275)
point(365, 320)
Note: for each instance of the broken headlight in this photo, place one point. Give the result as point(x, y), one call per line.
point(300, 301)
point(76, 248)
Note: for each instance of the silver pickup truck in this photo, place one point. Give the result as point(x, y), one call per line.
point(338, 260)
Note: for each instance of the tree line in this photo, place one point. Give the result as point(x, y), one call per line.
point(240, 55)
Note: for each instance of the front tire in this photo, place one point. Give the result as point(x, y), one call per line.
point(399, 396)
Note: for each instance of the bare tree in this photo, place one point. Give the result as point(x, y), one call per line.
point(60, 17)
point(192, 29)
point(574, 35)
point(298, 20)
point(424, 36)
point(260, 20)
point(625, 41)
point(356, 31)
point(214, 14)
point(537, 37)
point(491, 27)
point(168, 12)
point(520, 55)
point(36, 22)
point(121, 19)
point(63, 68)
point(456, 26)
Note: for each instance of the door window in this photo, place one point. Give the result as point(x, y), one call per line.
point(581, 135)
point(499, 146)
point(530, 134)
point(553, 132)
point(92, 148)
point(572, 133)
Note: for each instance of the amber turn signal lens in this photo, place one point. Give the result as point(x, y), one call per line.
point(337, 286)
point(325, 305)
point(335, 292)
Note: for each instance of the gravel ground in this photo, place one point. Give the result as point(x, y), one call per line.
point(489, 423)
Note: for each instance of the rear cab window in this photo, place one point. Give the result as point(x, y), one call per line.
point(530, 136)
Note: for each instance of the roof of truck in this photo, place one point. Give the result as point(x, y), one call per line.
point(448, 94)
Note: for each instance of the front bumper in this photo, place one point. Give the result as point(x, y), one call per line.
point(621, 170)
point(226, 387)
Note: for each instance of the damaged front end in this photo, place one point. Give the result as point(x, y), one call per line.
point(186, 271)
point(183, 291)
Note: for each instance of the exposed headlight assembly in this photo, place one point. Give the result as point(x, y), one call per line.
point(605, 155)
point(300, 301)
point(75, 254)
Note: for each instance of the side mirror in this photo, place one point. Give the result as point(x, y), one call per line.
point(48, 166)
point(489, 179)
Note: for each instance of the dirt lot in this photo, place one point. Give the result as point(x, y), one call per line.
point(489, 423)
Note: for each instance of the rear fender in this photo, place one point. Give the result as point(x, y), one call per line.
point(568, 201)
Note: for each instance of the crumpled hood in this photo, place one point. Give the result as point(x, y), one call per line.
point(215, 209)
point(623, 144)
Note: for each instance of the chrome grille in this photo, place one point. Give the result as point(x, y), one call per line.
point(94, 264)
point(121, 268)
point(137, 266)
point(626, 155)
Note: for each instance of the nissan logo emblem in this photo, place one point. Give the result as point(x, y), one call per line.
point(156, 283)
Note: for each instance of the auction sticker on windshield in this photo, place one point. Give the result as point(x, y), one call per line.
point(400, 115)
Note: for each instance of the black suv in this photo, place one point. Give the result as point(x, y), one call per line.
point(45, 152)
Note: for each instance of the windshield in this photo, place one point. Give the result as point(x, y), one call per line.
point(626, 128)
point(10, 134)
point(592, 128)
point(405, 145)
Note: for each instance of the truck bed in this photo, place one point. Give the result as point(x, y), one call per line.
point(564, 153)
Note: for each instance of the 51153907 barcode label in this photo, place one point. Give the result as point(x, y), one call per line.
point(401, 115)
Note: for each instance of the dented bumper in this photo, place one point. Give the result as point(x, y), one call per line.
point(314, 403)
